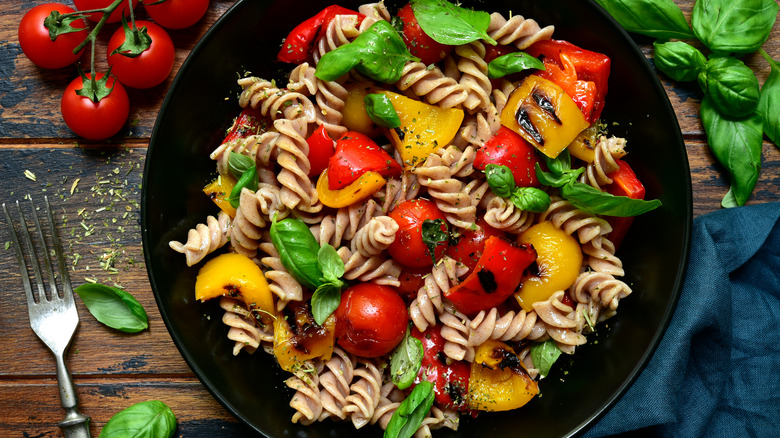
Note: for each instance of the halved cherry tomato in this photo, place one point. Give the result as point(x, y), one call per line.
point(249, 122)
point(507, 148)
point(450, 379)
point(355, 155)
point(300, 41)
point(371, 320)
point(408, 248)
point(115, 17)
point(321, 148)
point(418, 42)
point(495, 278)
point(37, 44)
point(624, 183)
point(151, 67)
point(470, 244)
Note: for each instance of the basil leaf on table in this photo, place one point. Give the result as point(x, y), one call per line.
point(655, 18)
point(148, 419)
point(381, 110)
point(736, 144)
point(113, 307)
point(544, 354)
point(513, 63)
point(411, 412)
point(595, 201)
point(432, 235)
point(447, 23)
point(731, 84)
point(728, 26)
point(238, 164)
point(378, 53)
point(406, 361)
point(679, 60)
point(769, 100)
point(248, 180)
point(298, 250)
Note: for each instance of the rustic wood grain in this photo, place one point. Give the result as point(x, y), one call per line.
point(94, 188)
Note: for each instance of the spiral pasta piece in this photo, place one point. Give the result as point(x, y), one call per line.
point(396, 191)
point(436, 174)
point(302, 79)
point(503, 215)
point(605, 153)
point(431, 84)
point(455, 331)
point(297, 188)
point(204, 238)
point(364, 393)
point(517, 30)
point(559, 319)
point(375, 236)
point(331, 97)
point(282, 283)
point(307, 400)
point(274, 102)
point(600, 287)
point(510, 327)
point(474, 79)
point(378, 269)
point(245, 330)
point(252, 215)
point(334, 384)
point(341, 30)
point(570, 219)
point(429, 303)
point(373, 13)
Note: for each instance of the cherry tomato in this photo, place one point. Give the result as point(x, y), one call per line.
point(321, 148)
point(469, 246)
point(148, 69)
point(95, 121)
point(38, 46)
point(411, 279)
point(408, 248)
point(507, 148)
point(115, 17)
point(355, 155)
point(370, 320)
point(418, 42)
point(450, 380)
point(492, 52)
point(176, 14)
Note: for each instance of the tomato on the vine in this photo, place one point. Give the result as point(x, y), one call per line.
point(149, 68)
point(95, 120)
point(409, 247)
point(371, 320)
point(88, 5)
point(37, 44)
point(176, 14)
point(418, 42)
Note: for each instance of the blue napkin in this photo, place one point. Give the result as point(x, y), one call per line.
point(716, 372)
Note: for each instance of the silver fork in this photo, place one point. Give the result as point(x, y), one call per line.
point(53, 317)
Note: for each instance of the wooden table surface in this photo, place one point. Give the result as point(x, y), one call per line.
point(95, 190)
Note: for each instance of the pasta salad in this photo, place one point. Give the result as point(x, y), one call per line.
point(422, 219)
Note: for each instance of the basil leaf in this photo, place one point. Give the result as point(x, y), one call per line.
point(731, 84)
point(432, 235)
point(378, 52)
point(655, 18)
point(298, 250)
point(113, 307)
point(411, 412)
point(560, 164)
point(330, 263)
point(447, 23)
point(530, 199)
point(557, 180)
point(736, 144)
point(544, 354)
point(595, 201)
point(148, 419)
point(500, 180)
point(325, 301)
point(513, 63)
point(249, 180)
point(381, 110)
point(406, 361)
point(680, 61)
point(729, 26)
point(238, 164)
point(769, 101)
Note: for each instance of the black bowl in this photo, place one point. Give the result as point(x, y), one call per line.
point(201, 104)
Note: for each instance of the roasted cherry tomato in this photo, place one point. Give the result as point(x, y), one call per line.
point(507, 148)
point(249, 122)
point(370, 320)
point(468, 246)
point(418, 42)
point(321, 148)
point(495, 278)
point(450, 378)
point(176, 14)
point(411, 279)
point(624, 183)
point(116, 16)
point(148, 69)
point(355, 155)
point(37, 44)
point(300, 41)
point(91, 120)
point(409, 248)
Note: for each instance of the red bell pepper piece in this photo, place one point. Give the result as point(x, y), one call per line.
point(321, 148)
point(624, 183)
point(583, 74)
point(249, 122)
point(450, 380)
point(355, 155)
point(495, 278)
point(300, 42)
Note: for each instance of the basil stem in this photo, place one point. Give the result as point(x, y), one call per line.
point(731, 84)
point(728, 26)
point(411, 412)
point(769, 101)
point(248, 180)
point(151, 418)
point(381, 110)
point(447, 23)
point(406, 360)
point(433, 235)
point(680, 61)
point(655, 18)
point(298, 250)
point(113, 307)
point(513, 63)
point(544, 354)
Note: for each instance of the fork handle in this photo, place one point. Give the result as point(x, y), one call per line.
point(75, 424)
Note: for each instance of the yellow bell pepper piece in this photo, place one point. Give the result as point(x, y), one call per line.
point(219, 190)
point(355, 116)
point(363, 187)
point(424, 128)
point(584, 146)
point(499, 381)
point(543, 114)
point(238, 276)
point(312, 341)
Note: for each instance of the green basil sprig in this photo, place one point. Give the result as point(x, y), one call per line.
point(378, 53)
point(447, 23)
point(411, 412)
point(381, 110)
point(728, 26)
point(244, 170)
point(433, 236)
point(679, 60)
point(238, 164)
point(769, 101)
point(327, 296)
point(406, 360)
point(544, 354)
point(513, 63)
point(731, 85)
point(151, 418)
point(655, 18)
point(113, 307)
point(502, 183)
